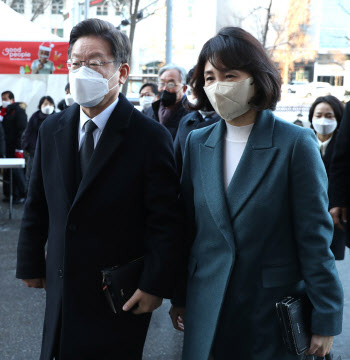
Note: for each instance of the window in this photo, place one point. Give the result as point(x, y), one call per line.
point(56, 6)
point(18, 6)
point(38, 6)
point(58, 32)
point(102, 10)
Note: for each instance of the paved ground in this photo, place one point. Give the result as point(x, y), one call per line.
point(21, 309)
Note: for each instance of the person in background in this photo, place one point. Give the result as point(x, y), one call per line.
point(68, 99)
point(194, 120)
point(299, 121)
point(14, 124)
point(46, 107)
point(171, 106)
point(325, 116)
point(339, 184)
point(148, 94)
point(257, 222)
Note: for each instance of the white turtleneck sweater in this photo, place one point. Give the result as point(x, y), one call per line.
point(235, 142)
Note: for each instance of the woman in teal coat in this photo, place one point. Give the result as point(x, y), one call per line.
point(258, 227)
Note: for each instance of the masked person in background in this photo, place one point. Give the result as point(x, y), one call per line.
point(103, 192)
point(257, 222)
point(148, 94)
point(14, 123)
point(43, 65)
point(171, 106)
point(325, 115)
point(46, 107)
point(68, 99)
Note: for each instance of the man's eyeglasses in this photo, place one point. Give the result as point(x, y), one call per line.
point(170, 85)
point(73, 64)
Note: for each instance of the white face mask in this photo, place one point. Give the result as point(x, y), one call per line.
point(230, 99)
point(69, 99)
point(88, 87)
point(324, 126)
point(146, 102)
point(48, 109)
point(5, 104)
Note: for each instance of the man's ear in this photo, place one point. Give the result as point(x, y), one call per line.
point(124, 72)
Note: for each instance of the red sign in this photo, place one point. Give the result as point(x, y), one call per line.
point(47, 57)
point(96, 2)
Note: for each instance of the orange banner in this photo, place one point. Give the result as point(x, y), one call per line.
point(47, 57)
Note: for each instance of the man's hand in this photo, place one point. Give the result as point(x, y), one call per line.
point(177, 315)
point(320, 345)
point(339, 214)
point(146, 302)
point(35, 283)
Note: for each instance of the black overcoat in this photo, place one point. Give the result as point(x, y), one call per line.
point(124, 207)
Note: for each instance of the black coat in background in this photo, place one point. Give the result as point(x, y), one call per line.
point(173, 123)
point(339, 187)
point(189, 122)
point(31, 133)
point(2, 142)
point(14, 124)
point(124, 207)
point(339, 237)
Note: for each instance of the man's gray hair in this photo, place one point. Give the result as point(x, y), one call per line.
point(180, 69)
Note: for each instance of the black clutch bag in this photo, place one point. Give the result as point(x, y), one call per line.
point(294, 315)
point(120, 282)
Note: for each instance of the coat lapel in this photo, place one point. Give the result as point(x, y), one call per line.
point(66, 142)
point(211, 168)
point(257, 157)
point(110, 140)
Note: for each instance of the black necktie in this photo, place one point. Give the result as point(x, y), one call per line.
point(87, 146)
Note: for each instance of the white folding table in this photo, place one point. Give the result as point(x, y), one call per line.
point(11, 163)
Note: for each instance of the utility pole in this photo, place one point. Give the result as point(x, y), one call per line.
point(169, 31)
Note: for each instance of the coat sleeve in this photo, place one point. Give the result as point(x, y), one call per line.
point(186, 199)
point(163, 218)
point(340, 166)
point(21, 124)
point(2, 142)
point(313, 231)
point(28, 134)
point(34, 227)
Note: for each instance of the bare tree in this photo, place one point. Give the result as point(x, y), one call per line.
point(135, 14)
point(42, 6)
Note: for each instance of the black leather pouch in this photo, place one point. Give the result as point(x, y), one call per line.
point(294, 314)
point(120, 282)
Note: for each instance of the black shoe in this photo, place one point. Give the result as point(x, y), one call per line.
point(17, 201)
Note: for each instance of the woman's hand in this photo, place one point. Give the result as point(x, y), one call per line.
point(177, 315)
point(320, 345)
point(339, 214)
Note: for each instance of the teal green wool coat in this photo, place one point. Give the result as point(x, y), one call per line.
point(267, 237)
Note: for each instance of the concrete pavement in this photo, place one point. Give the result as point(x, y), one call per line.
point(21, 309)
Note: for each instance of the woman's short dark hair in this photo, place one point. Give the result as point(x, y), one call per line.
point(235, 48)
point(49, 99)
point(119, 42)
point(153, 86)
point(333, 102)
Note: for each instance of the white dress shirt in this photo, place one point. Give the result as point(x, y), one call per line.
point(323, 145)
point(100, 120)
point(235, 142)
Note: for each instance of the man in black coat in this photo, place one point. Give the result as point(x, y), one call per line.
point(171, 106)
point(93, 214)
point(14, 123)
point(339, 185)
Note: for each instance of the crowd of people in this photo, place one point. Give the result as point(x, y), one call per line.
point(228, 205)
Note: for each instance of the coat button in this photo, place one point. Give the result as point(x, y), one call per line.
point(72, 227)
point(60, 273)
